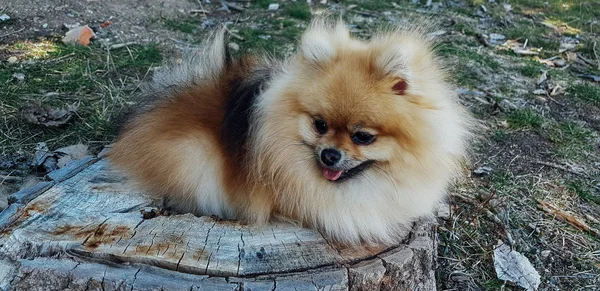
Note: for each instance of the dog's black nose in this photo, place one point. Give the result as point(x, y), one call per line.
point(330, 156)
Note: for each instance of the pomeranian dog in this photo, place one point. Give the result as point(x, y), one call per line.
point(355, 138)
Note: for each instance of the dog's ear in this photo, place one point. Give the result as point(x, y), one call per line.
point(400, 87)
point(318, 43)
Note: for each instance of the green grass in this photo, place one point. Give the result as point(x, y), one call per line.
point(586, 92)
point(298, 10)
point(584, 192)
point(263, 4)
point(372, 5)
point(100, 83)
point(531, 69)
point(573, 141)
point(465, 29)
point(577, 13)
point(524, 119)
point(499, 136)
point(537, 35)
point(271, 37)
point(187, 25)
point(463, 72)
point(467, 54)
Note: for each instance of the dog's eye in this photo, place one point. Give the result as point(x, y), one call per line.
point(321, 126)
point(363, 138)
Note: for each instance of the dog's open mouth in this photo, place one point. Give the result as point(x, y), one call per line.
point(341, 175)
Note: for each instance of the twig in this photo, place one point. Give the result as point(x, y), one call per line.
point(482, 40)
point(233, 6)
point(567, 217)
point(202, 8)
point(60, 58)
point(196, 11)
point(235, 35)
point(8, 179)
point(121, 45)
point(596, 54)
point(11, 33)
point(556, 166)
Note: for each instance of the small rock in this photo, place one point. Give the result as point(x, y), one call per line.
point(496, 38)
point(560, 62)
point(12, 59)
point(507, 7)
point(273, 6)
point(545, 253)
point(543, 77)
point(507, 105)
point(482, 171)
point(3, 202)
point(71, 26)
point(81, 35)
point(106, 24)
point(19, 76)
point(45, 25)
point(540, 100)
point(539, 92)
point(233, 46)
point(437, 33)
point(4, 17)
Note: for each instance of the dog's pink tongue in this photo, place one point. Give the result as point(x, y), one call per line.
point(331, 175)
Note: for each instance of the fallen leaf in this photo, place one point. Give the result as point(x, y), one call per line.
point(81, 35)
point(557, 90)
point(543, 77)
point(36, 113)
point(521, 48)
point(106, 24)
point(44, 159)
point(70, 153)
point(19, 76)
point(512, 266)
point(589, 77)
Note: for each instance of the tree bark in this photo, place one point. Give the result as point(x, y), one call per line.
point(83, 230)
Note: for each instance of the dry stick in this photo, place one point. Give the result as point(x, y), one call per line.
point(60, 58)
point(556, 166)
point(233, 6)
point(11, 33)
point(8, 179)
point(596, 54)
point(202, 7)
point(235, 35)
point(567, 217)
point(488, 213)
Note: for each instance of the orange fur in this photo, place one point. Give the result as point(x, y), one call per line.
point(177, 148)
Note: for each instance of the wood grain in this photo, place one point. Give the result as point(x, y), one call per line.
point(84, 229)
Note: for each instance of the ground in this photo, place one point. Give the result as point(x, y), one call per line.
point(527, 70)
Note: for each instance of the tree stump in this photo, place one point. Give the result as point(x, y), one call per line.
point(83, 230)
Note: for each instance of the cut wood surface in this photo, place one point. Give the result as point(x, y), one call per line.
point(83, 230)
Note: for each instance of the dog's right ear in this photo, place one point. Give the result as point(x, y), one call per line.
point(318, 43)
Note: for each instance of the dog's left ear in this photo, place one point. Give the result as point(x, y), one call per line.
point(393, 62)
point(400, 86)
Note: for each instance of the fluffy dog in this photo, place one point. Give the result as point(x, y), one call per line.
point(355, 138)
